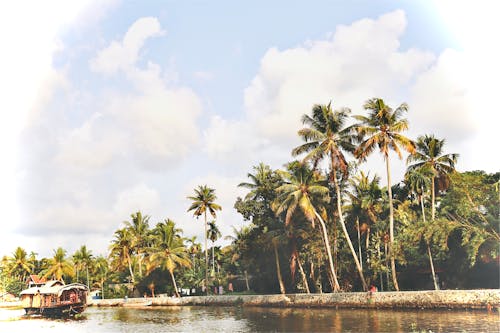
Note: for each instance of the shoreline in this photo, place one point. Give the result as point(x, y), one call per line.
point(485, 299)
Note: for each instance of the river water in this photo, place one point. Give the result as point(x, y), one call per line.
point(253, 319)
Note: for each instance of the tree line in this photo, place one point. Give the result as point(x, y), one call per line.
point(319, 224)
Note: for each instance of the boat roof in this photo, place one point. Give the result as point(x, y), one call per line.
point(53, 288)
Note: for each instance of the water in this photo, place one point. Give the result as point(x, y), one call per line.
point(250, 319)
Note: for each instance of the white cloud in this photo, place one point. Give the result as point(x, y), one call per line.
point(121, 55)
point(358, 62)
point(137, 198)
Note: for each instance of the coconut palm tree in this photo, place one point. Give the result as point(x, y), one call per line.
point(365, 205)
point(102, 270)
point(82, 258)
point(168, 250)
point(139, 230)
point(382, 129)
point(121, 251)
point(418, 181)
point(327, 137)
point(429, 154)
point(19, 265)
point(59, 265)
point(303, 189)
point(213, 234)
point(203, 202)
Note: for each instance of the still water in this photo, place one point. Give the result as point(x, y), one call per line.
point(249, 319)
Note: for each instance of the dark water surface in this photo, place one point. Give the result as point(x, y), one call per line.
point(250, 319)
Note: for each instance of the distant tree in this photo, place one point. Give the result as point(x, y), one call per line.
point(168, 250)
point(213, 234)
point(59, 266)
point(203, 202)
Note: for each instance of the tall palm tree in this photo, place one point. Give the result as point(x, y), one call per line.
point(82, 258)
point(19, 265)
point(429, 154)
point(139, 230)
point(121, 251)
point(304, 190)
point(327, 137)
point(168, 251)
point(203, 201)
point(418, 181)
point(382, 129)
point(102, 270)
point(213, 234)
point(365, 205)
point(59, 265)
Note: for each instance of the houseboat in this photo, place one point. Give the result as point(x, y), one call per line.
point(54, 298)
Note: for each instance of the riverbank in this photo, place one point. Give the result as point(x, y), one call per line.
point(488, 299)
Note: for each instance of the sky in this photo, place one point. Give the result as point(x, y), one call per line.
point(111, 107)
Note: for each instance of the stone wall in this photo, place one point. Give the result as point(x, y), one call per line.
point(445, 299)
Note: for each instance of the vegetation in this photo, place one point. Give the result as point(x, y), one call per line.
point(318, 225)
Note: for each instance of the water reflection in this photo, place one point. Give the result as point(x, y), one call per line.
point(253, 319)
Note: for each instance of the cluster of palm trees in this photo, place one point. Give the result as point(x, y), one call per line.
point(306, 192)
point(362, 225)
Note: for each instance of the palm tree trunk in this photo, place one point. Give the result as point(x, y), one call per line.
point(130, 269)
point(336, 286)
point(391, 225)
point(436, 287)
point(380, 273)
point(213, 258)
point(102, 286)
point(304, 278)
point(359, 244)
point(433, 199)
point(174, 283)
point(346, 234)
point(206, 253)
point(88, 285)
point(246, 281)
point(278, 270)
point(367, 244)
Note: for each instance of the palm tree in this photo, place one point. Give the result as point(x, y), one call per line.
point(102, 270)
point(121, 251)
point(326, 136)
point(83, 259)
point(213, 234)
point(429, 154)
point(381, 129)
point(19, 265)
point(168, 251)
point(304, 190)
point(418, 181)
point(203, 201)
point(59, 266)
point(365, 204)
point(139, 229)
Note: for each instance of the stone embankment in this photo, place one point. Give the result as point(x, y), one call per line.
point(443, 299)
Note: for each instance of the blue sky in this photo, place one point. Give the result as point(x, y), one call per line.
point(116, 106)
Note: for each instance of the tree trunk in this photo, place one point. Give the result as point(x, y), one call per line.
point(433, 199)
point(102, 286)
point(391, 225)
point(130, 269)
point(380, 273)
point(278, 270)
point(436, 287)
point(367, 244)
point(359, 244)
point(346, 234)
point(246, 281)
point(174, 283)
point(336, 286)
point(304, 278)
point(213, 258)
point(88, 285)
point(206, 253)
